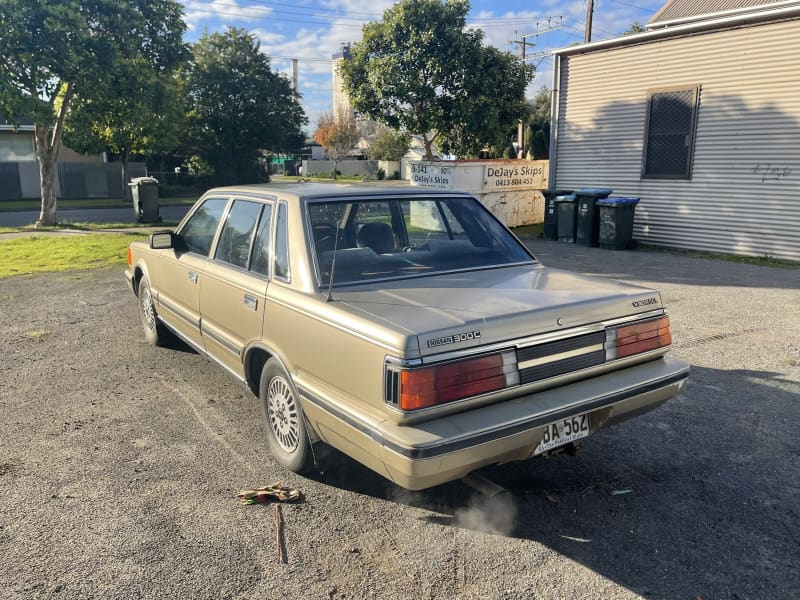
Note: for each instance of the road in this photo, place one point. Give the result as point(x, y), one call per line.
point(119, 465)
point(84, 215)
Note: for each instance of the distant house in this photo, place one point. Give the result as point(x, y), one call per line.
point(699, 116)
point(79, 175)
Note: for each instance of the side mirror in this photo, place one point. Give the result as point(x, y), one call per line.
point(163, 240)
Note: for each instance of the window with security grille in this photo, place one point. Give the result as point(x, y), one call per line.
point(669, 138)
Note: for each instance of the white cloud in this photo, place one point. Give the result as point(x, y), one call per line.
point(221, 11)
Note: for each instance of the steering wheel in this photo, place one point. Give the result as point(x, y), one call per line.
point(324, 234)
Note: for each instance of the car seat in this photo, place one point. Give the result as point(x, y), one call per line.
point(377, 236)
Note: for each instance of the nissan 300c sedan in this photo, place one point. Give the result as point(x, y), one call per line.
point(408, 328)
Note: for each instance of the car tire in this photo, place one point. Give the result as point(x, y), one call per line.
point(154, 331)
point(283, 419)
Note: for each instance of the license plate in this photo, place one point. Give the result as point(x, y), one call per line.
point(563, 432)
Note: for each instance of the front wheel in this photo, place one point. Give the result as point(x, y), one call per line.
point(154, 331)
point(283, 419)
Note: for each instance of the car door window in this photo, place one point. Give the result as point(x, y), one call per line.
point(198, 232)
point(236, 236)
point(263, 243)
point(281, 245)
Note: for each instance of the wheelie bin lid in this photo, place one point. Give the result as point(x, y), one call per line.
point(145, 180)
point(566, 198)
point(594, 192)
point(617, 201)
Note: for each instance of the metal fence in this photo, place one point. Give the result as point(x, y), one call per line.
point(74, 180)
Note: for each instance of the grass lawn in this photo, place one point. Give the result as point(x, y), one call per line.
point(52, 253)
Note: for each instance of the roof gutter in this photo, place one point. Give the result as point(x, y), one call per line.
point(788, 12)
point(719, 14)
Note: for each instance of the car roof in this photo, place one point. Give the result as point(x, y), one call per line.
point(330, 191)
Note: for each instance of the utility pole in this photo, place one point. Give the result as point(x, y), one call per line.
point(552, 24)
point(587, 36)
point(523, 45)
point(295, 84)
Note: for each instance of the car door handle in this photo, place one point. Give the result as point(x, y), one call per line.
point(192, 276)
point(251, 302)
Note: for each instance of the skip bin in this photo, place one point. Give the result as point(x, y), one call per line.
point(616, 222)
point(144, 191)
point(587, 227)
point(551, 212)
point(567, 216)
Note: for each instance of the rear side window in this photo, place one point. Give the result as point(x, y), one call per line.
point(237, 233)
point(199, 230)
point(281, 245)
point(263, 244)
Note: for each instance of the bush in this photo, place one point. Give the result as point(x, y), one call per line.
point(380, 174)
point(394, 176)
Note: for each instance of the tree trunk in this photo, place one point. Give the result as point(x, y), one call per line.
point(126, 189)
point(48, 142)
point(47, 176)
point(428, 144)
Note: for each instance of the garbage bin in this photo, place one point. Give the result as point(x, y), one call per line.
point(567, 216)
point(587, 228)
point(144, 191)
point(616, 222)
point(551, 212)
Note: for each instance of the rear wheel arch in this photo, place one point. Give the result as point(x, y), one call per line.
point(255, 359)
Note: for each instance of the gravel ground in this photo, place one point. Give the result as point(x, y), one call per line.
point(119, 465)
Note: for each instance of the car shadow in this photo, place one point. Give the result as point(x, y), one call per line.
point(699, 497)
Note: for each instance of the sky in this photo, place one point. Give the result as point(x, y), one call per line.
point(313, 30)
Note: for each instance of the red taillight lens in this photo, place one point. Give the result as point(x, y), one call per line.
point(430, 386)
point(639, 337)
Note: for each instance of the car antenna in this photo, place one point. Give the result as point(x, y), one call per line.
point(333, 264)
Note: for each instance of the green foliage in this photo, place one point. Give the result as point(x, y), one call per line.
point(380, 174)
point(52, 51)
point(389, 145)
point(421, 70)
point(636, 27)
point(539, 125)
point(239, 107)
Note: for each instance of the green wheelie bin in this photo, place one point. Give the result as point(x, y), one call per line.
point(616, 222)
point(587, 226)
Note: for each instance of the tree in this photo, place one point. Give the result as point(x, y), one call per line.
point(239, 107)
point(52, 51)
point(389, 145)
point(495, 103)
point(539, 125)
point(636, 27)
point(145, 118)
point(336, 136)
point(420, 70)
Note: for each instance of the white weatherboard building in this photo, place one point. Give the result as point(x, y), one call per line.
point(699, 117)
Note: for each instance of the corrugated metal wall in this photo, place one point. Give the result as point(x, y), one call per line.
point(744, 195)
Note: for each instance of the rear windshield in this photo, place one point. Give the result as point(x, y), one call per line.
point(389, 238)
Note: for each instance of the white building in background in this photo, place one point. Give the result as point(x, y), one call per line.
point(341, 101)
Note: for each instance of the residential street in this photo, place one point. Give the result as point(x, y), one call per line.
point(94, 215)
point(120, 462)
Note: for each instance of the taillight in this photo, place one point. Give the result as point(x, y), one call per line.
point(130, 260)
point(627, 340)
point(439, 384)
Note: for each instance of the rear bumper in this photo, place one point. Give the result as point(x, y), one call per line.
point(426, 454)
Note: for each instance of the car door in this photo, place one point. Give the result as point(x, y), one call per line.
point(233, 293)
point(180, 270)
